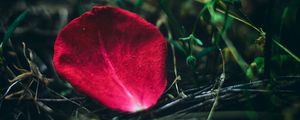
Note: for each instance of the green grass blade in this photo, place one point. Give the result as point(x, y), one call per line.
point(12, 28)
point(287, 51)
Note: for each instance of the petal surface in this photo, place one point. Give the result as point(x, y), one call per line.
point(113, 56)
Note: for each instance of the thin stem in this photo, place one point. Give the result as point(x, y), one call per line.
point(287, 51)
point(222, 79)
point(240, 20)
point(268, 43)
point(198, 17)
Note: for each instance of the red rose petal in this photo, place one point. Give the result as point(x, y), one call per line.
point(114, 56)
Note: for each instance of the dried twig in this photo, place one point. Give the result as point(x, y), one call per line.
point(163, 21)
point(221, 81)
point(67, 99)
point(14, 94)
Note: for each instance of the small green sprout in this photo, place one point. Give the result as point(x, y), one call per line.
point(192, 38)
point(191, 60)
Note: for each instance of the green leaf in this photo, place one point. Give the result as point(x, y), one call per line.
point(138, 3)
point(198, 41)
point(260, 62)
point(12, 28)
point(256, 68)
point(185, 38)
point(178, 46)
